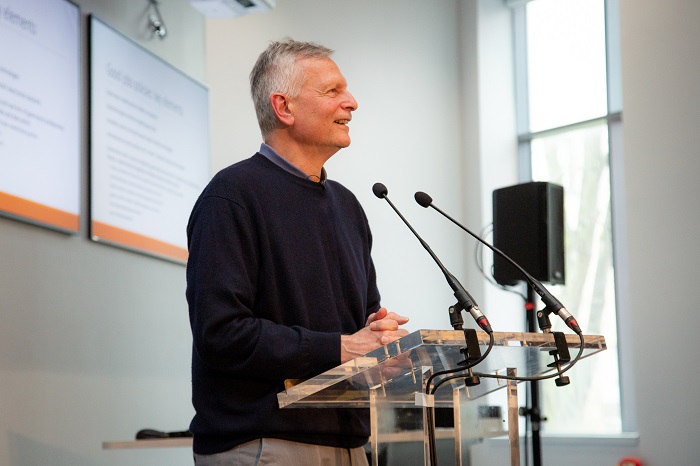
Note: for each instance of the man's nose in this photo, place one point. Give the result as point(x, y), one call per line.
point(350, 102)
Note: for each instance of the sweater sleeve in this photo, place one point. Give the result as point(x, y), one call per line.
point(222, 283)
point(373, 296)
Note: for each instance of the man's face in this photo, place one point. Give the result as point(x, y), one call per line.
point(323, 108)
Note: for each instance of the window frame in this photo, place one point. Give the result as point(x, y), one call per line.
point(614, 119)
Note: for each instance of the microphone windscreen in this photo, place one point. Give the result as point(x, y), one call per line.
point(379, 190)
point(423, 199)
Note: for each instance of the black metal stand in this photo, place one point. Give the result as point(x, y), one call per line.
point(533, 411)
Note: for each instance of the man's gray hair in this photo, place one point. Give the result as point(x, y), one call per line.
point(277, 71)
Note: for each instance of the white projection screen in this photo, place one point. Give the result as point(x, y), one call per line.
point(149, 146)
point(40, 112)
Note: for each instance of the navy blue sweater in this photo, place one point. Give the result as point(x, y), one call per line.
point(279, 267)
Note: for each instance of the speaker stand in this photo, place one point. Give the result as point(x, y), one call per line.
point(533, 411)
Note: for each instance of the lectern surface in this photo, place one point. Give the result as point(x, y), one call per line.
point(398, 370)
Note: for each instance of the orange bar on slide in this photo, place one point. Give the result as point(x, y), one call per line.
point(134, 240)
point(38, 212)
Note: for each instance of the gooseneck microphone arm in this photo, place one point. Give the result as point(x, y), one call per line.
point(464, 299)
point(552, 304)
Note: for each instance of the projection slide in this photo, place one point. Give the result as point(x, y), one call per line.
point(149, 154)
point(40, 112)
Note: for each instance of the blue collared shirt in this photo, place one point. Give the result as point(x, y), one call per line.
point(284, 164)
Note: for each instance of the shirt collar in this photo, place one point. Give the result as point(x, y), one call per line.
point(284, 164)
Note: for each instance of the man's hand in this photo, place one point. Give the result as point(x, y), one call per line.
point(382, 327)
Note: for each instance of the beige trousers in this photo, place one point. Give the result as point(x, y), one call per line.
point(274, 452)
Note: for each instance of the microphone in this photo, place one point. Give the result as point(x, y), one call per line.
point(550, 302)
point(463, 297)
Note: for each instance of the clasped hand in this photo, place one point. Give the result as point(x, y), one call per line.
point(381, 328)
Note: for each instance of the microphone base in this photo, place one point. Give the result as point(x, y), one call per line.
point(472, 381)
point(562, 381)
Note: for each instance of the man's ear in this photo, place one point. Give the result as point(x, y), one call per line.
point(280, 105)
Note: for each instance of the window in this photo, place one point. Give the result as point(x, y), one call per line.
point(568, 115)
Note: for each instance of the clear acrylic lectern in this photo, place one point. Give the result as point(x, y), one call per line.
point(390, 382)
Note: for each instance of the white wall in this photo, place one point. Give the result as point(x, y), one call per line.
point(661, 71)
point(491, 142)
point(94, 340)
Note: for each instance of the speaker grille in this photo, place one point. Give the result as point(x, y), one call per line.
point(528, 225)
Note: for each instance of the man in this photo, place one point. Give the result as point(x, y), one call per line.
point(280, 281)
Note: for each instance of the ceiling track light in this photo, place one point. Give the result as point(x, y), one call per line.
point(156, 21)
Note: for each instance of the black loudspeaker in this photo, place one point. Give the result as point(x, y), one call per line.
point(528, 225)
